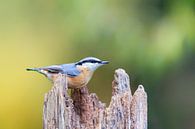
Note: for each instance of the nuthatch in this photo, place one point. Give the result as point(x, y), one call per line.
point(78, 74)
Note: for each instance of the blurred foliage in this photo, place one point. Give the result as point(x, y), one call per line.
point(153, 40)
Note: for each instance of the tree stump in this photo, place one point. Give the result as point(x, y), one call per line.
point(83, 110)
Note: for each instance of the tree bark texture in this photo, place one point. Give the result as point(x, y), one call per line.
point(83, 110)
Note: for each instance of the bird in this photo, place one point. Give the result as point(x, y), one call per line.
point(78, 74)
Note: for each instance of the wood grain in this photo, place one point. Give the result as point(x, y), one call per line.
point(83, 110)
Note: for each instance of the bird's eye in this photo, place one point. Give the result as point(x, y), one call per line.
point(88, 61)
point(94, 61)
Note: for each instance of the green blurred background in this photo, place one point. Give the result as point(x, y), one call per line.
point(153, 40)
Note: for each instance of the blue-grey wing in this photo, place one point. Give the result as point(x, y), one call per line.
point(53, 69)
point(70, 70)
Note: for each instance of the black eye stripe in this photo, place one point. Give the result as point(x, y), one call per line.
point(88, 61)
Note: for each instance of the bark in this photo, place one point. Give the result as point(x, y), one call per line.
point(83, 110)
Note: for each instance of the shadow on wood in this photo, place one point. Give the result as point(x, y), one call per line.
point(83, 110)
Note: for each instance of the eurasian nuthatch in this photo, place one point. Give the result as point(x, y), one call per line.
point(78, 74)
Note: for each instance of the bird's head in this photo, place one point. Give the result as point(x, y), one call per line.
point(91, 62)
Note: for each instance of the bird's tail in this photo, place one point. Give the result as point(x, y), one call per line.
point(33, 69)
point(39, 70)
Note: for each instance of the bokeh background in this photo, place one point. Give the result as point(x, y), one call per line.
point(153, 40)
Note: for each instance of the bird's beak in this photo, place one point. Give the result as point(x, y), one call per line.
point(104, 62)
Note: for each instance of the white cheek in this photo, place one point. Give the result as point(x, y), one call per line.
point(87, 65)
point(91, 66)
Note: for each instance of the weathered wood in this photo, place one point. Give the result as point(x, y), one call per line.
point(83, 110)
point(139, 109)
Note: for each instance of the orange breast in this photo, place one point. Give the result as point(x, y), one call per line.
point(81, 80)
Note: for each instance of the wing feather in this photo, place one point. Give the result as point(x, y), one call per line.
point(53, 69)
point(68, 69)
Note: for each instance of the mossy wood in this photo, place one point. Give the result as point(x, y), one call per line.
point(83, 110)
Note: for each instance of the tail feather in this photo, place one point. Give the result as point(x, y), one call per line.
point(36, 70)
point(32, 69)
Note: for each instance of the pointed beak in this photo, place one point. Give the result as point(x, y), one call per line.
point(104, 62)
